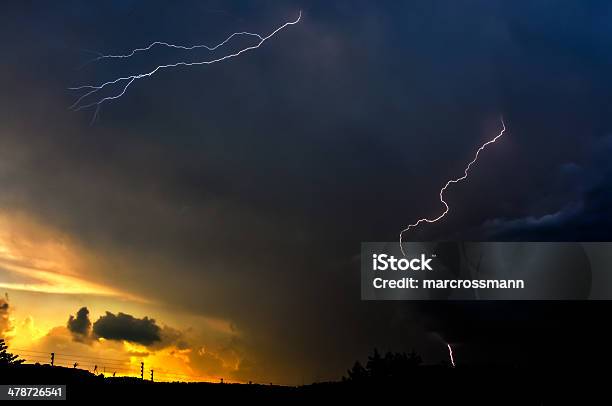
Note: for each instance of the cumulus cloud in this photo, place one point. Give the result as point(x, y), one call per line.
point(80, 326)
point(126, 327)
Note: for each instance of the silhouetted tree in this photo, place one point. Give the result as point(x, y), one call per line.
point(357, 373)
point(375, 365)
point(6, 358)
point(379, 368)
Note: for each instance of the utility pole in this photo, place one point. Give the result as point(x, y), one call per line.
point(142, 370)
point(52, 358)
point(151, 375)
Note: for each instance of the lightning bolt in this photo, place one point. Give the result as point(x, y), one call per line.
point(450, 354)
point(182, 47)
point(126, 81)
point(465, 175)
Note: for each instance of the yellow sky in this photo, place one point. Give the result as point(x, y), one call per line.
point(46, 277)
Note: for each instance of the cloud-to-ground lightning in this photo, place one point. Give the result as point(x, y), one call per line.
point(450, 354)
point(126, 81)
point(465, 175)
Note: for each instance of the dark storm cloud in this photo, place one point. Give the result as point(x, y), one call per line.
point(531, 223)
point(5, 321)
point(80, 326)
point(241, 191)
point(125, 327)
point(585, 215)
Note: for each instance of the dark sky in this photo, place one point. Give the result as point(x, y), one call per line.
point(243, 189)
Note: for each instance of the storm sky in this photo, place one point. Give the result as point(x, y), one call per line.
point(241, 191)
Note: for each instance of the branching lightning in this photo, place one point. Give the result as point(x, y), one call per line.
point(446, 208)
point(182, 47)
point(450, 354)
point(126, 81)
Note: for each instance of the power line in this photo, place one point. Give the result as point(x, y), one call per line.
point(90, 360)
point(69, 355)
point(80, 361)
point(114, 366)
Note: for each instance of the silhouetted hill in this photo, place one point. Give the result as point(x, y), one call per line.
point(425, 384)
point(46, 374)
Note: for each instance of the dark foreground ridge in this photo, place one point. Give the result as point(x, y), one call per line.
point(424, 384)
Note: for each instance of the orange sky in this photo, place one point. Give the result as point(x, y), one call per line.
point(47, 277)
